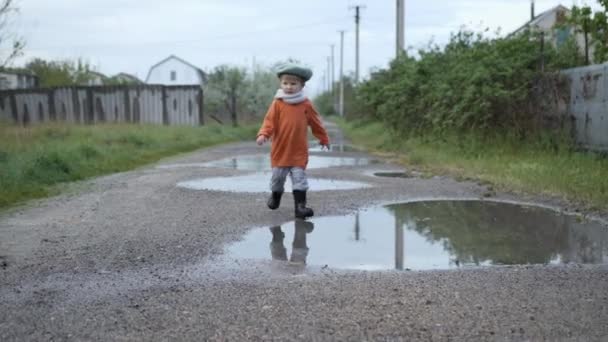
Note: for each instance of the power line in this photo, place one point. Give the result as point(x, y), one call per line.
point(332, 73)
point(198, 40)
point(122, 47)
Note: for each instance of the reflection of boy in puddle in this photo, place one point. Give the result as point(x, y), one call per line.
point(299, 250)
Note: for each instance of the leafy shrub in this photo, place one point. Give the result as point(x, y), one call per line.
point(474, 83)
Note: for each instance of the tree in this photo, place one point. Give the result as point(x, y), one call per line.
point(233, 91)
point(594, 27)
point(60, 73)
point(259, 91)
point(8, 41)
point(227, 81)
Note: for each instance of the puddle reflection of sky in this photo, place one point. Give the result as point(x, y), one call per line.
point(262, 163)
point(260, 182)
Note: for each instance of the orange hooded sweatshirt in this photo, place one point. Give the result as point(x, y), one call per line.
point(287, 126)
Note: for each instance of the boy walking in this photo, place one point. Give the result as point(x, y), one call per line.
point(286, 124)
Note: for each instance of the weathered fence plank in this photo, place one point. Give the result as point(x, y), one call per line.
point(156, 104)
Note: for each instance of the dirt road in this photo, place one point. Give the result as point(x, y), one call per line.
point(131, 256)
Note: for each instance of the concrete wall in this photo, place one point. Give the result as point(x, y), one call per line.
point(588, 105)
point(168, 105)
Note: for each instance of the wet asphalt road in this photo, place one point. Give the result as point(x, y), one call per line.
point(131, 256)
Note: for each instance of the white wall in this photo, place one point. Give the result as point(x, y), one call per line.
point(184, 74)
point(16, 81)
point(95, 81)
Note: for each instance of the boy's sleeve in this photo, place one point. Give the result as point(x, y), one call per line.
point(314, 121)
point(268, 125)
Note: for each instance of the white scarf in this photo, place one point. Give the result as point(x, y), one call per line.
point(290, 98)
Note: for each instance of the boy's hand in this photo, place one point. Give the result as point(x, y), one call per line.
point(261, 140)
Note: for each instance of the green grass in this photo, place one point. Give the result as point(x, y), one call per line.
point(542, 167)
point(34, 160)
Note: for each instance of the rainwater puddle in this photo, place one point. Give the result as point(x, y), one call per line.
point(260, 182)
point(392, 174)
point(262, 163)
point(430, 235)
point(315, 147)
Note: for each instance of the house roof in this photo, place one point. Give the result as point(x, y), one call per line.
point(537, 19)
point(95, 73)
point(18, 72)
point(128, 76)
point(200, 72)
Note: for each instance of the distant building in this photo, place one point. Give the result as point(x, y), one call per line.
point(553, 23)
point(17, 80)
point(124, 78)
point(95, 78)
point(175, 71)
point(546, 20)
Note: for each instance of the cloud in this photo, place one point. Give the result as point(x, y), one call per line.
point(132, 35)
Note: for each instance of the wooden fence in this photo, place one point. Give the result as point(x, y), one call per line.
point(157, 104)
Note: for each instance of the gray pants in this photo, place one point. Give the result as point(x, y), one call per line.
point(298, 179)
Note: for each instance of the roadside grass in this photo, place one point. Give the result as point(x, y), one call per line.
point(35, 159)
point(542, 167)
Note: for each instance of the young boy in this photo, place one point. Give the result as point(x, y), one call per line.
point(286, 123)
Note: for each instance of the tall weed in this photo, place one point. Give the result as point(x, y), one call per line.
point(33, 160)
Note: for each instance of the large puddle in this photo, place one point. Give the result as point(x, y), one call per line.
point(261, 162)
point(431, 235)
point(260, 182)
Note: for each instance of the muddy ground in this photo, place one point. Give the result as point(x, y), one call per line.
point(131, 256)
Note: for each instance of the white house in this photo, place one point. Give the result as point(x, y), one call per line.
point(553, 23)
point(547, 19)
point(17, 80)
point(175, 71)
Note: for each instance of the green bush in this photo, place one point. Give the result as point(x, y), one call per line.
point(473, 84)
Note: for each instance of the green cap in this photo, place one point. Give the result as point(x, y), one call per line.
point(295, 70)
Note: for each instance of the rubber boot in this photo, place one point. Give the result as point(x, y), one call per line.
point(301, 211)
point(299, 252)
point(274, 200)
point(277, 249)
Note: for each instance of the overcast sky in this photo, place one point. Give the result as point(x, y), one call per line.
point(132, 35)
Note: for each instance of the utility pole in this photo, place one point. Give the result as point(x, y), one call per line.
point(333, 70)
point(532, 14)
point(542, 51)
point(586, 37)
point(399, 243)
point(400, 35)
point(323, 84)
point(341, 99)
point(328, 74)
point(253, 68)
point(357, 20)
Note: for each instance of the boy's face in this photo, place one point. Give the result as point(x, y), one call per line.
point(291, 84)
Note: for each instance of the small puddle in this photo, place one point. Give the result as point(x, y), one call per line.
point(392, 174)
point(335, 148)
point(259, 182)
point(431, 235)
point(262, 163)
